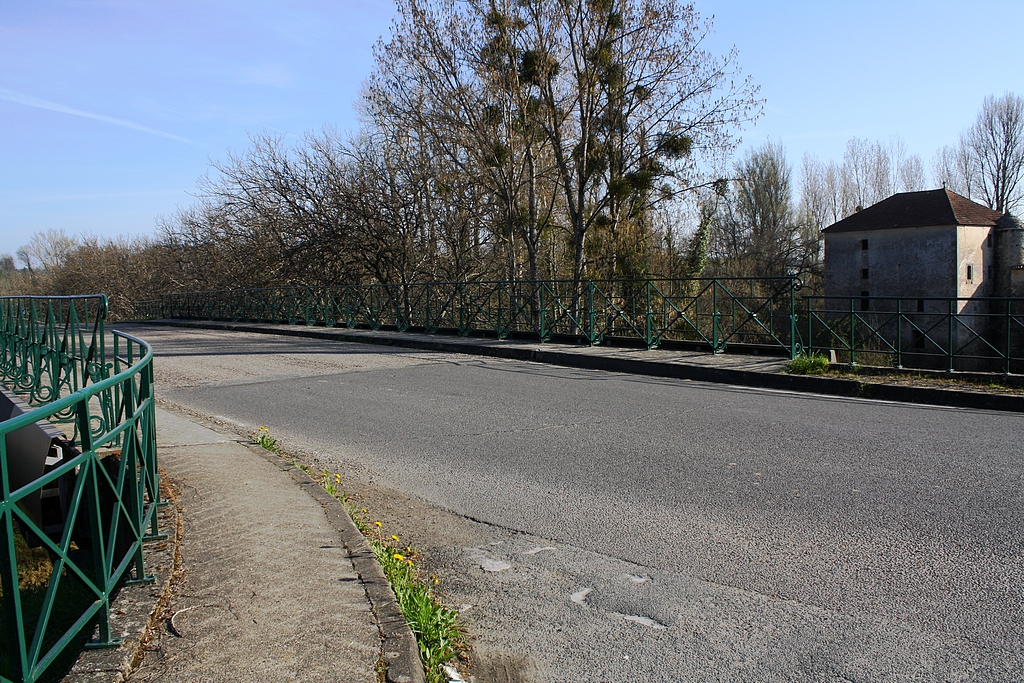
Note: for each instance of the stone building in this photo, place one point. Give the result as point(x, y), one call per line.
point(945, 263)
point(916, 245)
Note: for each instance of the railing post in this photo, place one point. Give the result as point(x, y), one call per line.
point(498, 332)
point(899, 334)
point(11, 598)
point(949, 349)
point(1009, 321)
point(462, 309)
point(649, 333)
point(591, 314)
point(714, 316)
point(543, 313)
point(793, 351)
point(853, 332)
point(427, 326)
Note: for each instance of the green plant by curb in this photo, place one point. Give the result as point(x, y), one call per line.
point(439, 632)
point(813, 364)
point(438, 629)
point(261, 437)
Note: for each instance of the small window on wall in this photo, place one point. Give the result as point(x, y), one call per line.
point(970, 273)
point(988, 240)
point(863, 245)
point(988, 272)
point(920, 305)
point(865, 302)
point(863, 273)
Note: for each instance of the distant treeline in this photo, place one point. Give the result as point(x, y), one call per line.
point(547, 139)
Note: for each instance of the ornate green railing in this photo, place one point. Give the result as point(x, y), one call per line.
point(951, 334)
point(712, 313)
point(93, 502)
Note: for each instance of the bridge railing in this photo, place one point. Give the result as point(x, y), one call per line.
point(941, 333)
point(93, 502)
point(711, 313)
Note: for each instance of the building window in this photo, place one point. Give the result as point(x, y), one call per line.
point(863, 273)
point(988, 272)
point(863, 245)
point(865, 302)
point(920, 305)
point(988, 240)
point(970, 273)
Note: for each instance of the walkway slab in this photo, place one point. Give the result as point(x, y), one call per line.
point(268, 591)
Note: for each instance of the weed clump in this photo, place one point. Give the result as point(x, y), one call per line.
point(812, 364)
point(261, 437)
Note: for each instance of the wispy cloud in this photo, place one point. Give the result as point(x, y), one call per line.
point(29, 101)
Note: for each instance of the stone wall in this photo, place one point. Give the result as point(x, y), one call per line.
point(905, 262)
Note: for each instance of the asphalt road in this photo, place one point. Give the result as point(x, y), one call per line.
point(607, 527)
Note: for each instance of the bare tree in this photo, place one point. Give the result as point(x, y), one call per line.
point(454, 73)
point(996, 142)
point(953, 167)
point(635, 106)
point(47, 250)
point(987, 163)
point(822, 193)
point(758, 231)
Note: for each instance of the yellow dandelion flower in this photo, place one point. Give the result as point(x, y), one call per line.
point(337, 478)
point(378, 524)
point(399, 557)
point(394, 538)
point(436, 582)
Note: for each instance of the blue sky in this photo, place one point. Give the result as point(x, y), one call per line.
point(111, 109)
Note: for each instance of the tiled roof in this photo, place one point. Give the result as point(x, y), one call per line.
point(916, 210)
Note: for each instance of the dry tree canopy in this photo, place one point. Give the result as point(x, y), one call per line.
point(523, 140)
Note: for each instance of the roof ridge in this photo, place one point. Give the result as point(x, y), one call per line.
point(920, 208)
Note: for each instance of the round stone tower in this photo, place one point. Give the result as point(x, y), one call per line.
point(1009, 256)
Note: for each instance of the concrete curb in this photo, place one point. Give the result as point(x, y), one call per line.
point(830, 386)
point(400, 651)
point(136, 610)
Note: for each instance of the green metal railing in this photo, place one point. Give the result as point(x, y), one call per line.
point(712, 313)
point(55, 353)
point(756, 313)
point(951, 334)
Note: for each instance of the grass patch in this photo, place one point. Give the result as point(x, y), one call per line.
point(813, 364)
point(34, 572)
point(439, 633)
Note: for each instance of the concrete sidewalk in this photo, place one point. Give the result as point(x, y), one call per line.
point(267, 589)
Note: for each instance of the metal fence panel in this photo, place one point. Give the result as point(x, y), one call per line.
point(102, 487)
point(711, 313)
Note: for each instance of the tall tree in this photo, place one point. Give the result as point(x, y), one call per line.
point(996, 143)
point(595, 109)
point(454, 72)
point(987, 163)
point(634, 108)
point(758, 230)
